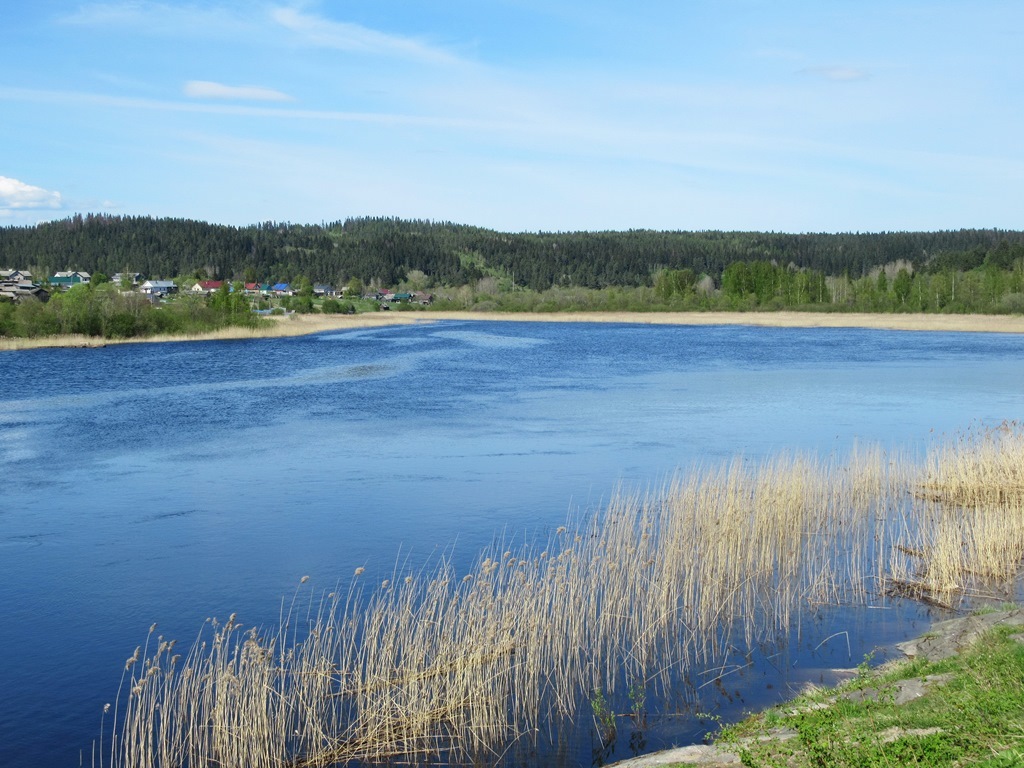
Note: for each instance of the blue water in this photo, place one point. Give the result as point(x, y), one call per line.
point(172, 482)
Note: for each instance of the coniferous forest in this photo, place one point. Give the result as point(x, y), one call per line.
point(467, 267)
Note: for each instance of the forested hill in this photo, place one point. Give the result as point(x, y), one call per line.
point(383, 250)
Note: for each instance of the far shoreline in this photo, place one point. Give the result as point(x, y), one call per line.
point(301, 325)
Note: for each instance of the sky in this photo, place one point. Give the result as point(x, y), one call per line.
point(518, 115)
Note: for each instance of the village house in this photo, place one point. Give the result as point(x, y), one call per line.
point(14, 287)
point(17, 275)
point(65, 280)
point(402, 297)
point(158, 287)
point(207, 286)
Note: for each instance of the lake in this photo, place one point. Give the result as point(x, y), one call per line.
point(173, 482)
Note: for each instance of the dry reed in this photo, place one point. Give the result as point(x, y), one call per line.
point(442, 666)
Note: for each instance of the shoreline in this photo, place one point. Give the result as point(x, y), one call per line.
point(301, 325)
point(942, 641)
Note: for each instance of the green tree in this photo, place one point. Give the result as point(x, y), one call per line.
point(33, 318)
point(901, 286)
point(220, 299)
point(77, 310)
point(674, 282)
point(7, 309)
point(1000, 257)
point(301, 304)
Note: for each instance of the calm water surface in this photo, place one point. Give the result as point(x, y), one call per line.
point(168, 483)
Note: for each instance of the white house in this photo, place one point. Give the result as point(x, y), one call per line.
point(158, 287)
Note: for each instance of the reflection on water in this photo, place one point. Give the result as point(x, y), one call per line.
point(254, 463)
point(489, 340)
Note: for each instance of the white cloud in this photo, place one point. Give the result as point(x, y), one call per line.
point(17, 195)
point(355, 38)
point(205, 89)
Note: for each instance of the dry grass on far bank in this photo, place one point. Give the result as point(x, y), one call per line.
point(273, 327)
point(300, 325)
point(881, 321)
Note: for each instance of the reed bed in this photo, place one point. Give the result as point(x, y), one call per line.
point(273, 326)
point(442, 666)
point(964, 530)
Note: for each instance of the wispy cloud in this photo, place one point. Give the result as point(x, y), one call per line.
point(181, 19)
point(205, 89)
point(836, 73)
point(17, 195)
point(80, 98)
point(198, 20)
point(354, 38)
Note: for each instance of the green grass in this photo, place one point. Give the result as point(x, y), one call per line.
point(974, 717)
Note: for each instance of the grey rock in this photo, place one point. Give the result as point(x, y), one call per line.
point(698, 754)
point(948, 638)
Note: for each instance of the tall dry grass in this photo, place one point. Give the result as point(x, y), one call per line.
point(964, 530)
point(274, 326)
point(448, 666)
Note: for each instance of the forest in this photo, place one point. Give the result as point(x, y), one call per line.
point(382, 251)
point(471, 268)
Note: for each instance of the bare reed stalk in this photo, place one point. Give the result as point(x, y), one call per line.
point(963, 528)
point(443, 666)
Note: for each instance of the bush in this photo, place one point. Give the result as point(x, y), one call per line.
point(6, 318)
point(33, 318)
point(120, 325)
point(1012, 303)
point(301, 304)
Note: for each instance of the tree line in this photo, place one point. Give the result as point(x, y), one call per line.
point(384, 251)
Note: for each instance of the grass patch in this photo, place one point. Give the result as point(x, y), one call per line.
point(973, 712)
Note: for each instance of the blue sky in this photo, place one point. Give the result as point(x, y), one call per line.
point(521, 115)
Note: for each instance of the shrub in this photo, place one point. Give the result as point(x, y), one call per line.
point(1012, 303)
